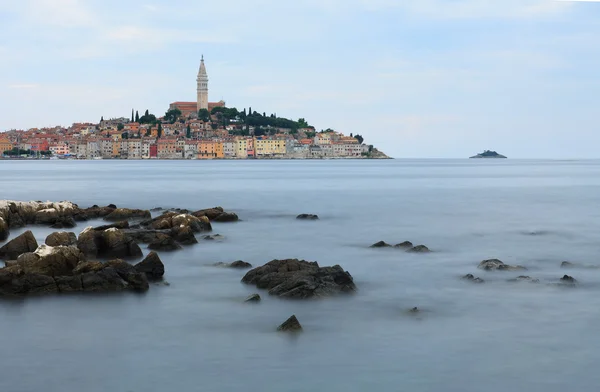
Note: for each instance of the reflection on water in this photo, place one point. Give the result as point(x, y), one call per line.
point(198, 334)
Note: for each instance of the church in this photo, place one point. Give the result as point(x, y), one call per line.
point(192, 108)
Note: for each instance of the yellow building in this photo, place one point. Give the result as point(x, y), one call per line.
point(210, 149)
point(241, 148)
point(116, 148)
point(269, 147)
point(5, 145)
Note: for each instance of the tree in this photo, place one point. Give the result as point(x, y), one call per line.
point(145, 114)
point(351, 134)
point(120, 127)
point(125, 135)
point(102, 119)
point(203, 115)
point(132, 115)
point(359, 138)
point(137, 117)
point(302, 123)
point(176, 132)
point(218, 109)
point(148, 131)
point(159, 130)
point(172, 115)
point(188, 132)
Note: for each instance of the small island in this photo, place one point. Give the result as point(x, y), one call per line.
point(488, 154)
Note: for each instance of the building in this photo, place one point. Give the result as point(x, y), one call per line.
point(191, 108)
point(5, 145)
point(210, 149)
point(269, 147)
point(202, 87)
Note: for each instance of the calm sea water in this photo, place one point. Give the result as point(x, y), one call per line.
point(198, 335)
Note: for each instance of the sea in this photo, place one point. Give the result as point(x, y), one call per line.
point(197, 334)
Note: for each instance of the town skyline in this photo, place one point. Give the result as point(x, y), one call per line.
point(428, 79)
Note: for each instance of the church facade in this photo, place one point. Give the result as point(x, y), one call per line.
point(191, 108)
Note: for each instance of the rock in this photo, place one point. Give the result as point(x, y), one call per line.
point(566, 264)
point(121, 214)
point(472, 278)
point(524, 279)
point(61, 238)
point(116, 275)
point(227, 217)
point(156, 209)
point(171, 220)
point(68, 284)
point(96, 212)
point(300, 279)
point(414, 310)
point(117, 244)
point(495, 264)
point(51, 261)
point(419, 249)
point(146, 236)
point(88, 241)
point(253, 298)
point(236, 264)
point(4, 230)
point(214, 237)
point(568, 279)
point(152, 266)
point(240, 264)
point(87, 266)
point(290, 325)
point(381, 244)
point(184, 235)
point(22, 244)
point(405, 244)
point(307, 217)
point(210, 213)
point(114, 207)
point(46, 216)
point(64, 222)
point(135, 280)
point(164, 242)
point(108, 243)
point(118, 225)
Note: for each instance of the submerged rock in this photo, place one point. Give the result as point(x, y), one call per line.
point(253, 298)
point(300, 279)
point(568, 279)
point(213, 237)
point(497, 265)
point(65, 222)
point(236, 264)
point(61, 238)
point(381, 244)
point(524, 279)
point(290, 325)
point(184, 235)
point(4, 230)
point(152, 266)
point(24, 243)
point(116, 225)
point(473, 279)
point(307, 217)
point(419, 249)
point(405, 244)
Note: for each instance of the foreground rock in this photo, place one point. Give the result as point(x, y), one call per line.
point(497, 265)
point(300, 279)
point(60, 270)
point(19, 214)
point(164, 242)
point(152, 266)
point(121, 214)
point(290, 325)
point(24, 243)
point(4, 230)
point(472, 278)
point(307, 217)
point(523, 278)
point(61, 238)
point(64, 222)
point(171, 220)
point(108, 243)
point(117, 225)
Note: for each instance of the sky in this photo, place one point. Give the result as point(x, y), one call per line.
point(418, 78)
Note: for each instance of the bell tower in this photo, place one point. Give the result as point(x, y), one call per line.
point(202, 88)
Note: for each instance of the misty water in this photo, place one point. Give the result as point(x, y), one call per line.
point(198, 335)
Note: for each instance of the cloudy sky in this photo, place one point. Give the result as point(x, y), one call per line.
point(417, 78)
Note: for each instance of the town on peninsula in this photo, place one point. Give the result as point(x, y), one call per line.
point(188, 130)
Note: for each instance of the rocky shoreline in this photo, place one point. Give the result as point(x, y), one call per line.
point(96, 259)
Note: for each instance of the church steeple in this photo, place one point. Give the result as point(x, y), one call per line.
point(202, 88)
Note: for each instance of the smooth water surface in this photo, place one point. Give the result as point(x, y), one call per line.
point(198, 335)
